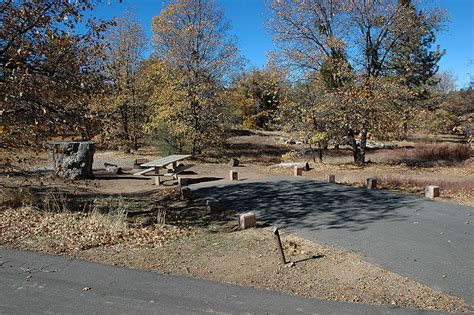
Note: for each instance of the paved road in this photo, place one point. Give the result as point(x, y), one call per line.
point(56, 285)
point(430, 241)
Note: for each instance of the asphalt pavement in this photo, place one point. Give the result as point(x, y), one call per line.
point(429, 241)
point(32, 283)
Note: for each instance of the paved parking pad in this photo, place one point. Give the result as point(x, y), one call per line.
point(430, 241)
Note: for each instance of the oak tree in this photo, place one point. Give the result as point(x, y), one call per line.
point(351, 44)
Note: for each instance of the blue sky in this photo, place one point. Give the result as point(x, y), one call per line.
point(247, 17)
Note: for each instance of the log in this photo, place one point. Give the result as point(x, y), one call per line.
point(112, 168)
point(303, 165)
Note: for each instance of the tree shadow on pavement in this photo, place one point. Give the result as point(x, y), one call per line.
point(310, 204)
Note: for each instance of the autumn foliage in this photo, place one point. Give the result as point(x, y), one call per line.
point(343, 71)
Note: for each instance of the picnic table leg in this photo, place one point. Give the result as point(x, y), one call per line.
point(174, 166)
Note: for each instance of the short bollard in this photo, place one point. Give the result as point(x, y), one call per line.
point(213, 205)
point(185, 193)
point(331, 179)
point(233, 175)
point(298, 171)
point(276, 234)
point(183, 181)
point(157, 181)
point(247, 220)
point(431, 191)
point(372, 183)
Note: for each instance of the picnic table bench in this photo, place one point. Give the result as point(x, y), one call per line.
point(168, 162)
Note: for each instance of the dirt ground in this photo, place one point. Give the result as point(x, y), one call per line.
point(126, 220)
point(214, 249)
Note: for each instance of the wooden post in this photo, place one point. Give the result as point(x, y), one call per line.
point(157, 181)
point(276, 234)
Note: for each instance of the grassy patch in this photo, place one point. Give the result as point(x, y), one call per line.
point(428, 155)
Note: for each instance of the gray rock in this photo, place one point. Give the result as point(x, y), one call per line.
point(73, 160)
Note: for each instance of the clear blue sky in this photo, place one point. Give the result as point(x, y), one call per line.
point(247, 17)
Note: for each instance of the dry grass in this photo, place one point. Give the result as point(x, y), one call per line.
point(432, 155)
point(69, 232)
point(459, 190)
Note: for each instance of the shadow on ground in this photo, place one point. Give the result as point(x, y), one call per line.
point(309, 204)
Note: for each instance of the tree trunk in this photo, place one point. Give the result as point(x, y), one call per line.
point(360, 158)
point(406, 117)
point(73, 160)
point(320, 153)
point(355, 147)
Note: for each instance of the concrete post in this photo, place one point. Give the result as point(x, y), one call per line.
point(298, 171)
point(233, 175)
point(247, 220)
point(331, 179)
point(213, 205)
point(183, 181)
point(372, 183)
point(185, 193)
point(431, 191)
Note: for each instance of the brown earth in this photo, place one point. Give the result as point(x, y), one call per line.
point(217, 250)
point(119, 220)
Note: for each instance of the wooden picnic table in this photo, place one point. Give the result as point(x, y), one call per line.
point(155, 165)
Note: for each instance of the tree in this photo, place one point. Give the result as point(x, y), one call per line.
point(191, 41)
point(414, 63)
point(258, 94)
point(357, 39)
point(48, 72)
point(126, 42)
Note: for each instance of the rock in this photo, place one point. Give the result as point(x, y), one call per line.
point(290, 264)
point(73, 160)
point(234, 162)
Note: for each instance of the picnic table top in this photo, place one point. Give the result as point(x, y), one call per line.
point(165, 161)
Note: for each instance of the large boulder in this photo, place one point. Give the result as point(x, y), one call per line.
point(73, 160)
